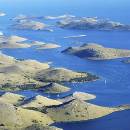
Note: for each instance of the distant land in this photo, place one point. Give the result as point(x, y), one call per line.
point(92, 23)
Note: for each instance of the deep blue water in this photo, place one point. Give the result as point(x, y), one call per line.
point(116, 121)
point(117, 74)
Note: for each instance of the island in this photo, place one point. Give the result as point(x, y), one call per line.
point(69, 22)
point(91, 23)
point(39, 112)
point(77, 95)
point(27, 24)
point(47, 46)
point(27, 17)
point(16, 74)
point(95, 51)
point(65, 16)
point(13, 42)
point(54, 88)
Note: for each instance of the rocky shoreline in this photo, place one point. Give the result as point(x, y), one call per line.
point(18, 112)
point(39, 112)
point(31, 74)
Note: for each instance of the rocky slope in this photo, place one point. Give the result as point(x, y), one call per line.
point(12, 98)
point(79, 110)
point(39, 112)
point(39, 102)
point(54, 88)
point(18, 118)
point(64, 75)
point(77, 95)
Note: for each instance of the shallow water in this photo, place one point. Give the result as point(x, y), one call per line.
point(116, 90)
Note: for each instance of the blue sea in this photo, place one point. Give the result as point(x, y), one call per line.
point(113, 88)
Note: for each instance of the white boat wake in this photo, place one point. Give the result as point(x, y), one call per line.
point(76, 36)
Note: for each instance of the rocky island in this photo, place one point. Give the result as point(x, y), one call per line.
point(54, 88)
point(13, 42)
point(30, 74)
point(61, 68)
point(97, 52)
point(27, 24)
point(39, 102)
point(78, 95)
point(47, 46)
point(19, 118)
point(44, 46)
point(40, 112)
point(26, 17)
point(20, 17)
point(60, 75)
point(69, 22)
point(91, 23)
point(65, 16)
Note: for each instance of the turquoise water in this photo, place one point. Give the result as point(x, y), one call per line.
point(116, 91)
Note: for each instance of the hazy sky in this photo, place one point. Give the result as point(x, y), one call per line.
point(116, 9)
